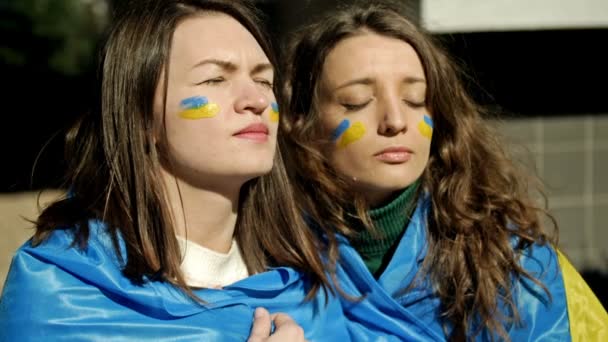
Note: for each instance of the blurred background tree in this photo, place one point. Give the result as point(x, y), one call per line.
point(60, 35)
point(47, 63)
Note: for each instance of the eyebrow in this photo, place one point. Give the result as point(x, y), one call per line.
point(368, 81)
point(362, 81)
point(261, 68)
point(230, 67)
point(411, 80)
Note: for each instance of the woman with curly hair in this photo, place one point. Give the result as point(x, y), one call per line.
point(388, 149)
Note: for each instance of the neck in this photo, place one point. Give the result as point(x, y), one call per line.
point(390, 222)
point(204, 216)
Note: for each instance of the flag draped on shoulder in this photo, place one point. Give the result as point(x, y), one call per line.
point(406, 305)
point(56, 292)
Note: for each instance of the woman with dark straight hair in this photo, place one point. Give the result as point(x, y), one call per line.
point(389, 150)
point(179, 221)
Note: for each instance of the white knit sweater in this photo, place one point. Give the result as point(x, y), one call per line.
point(205, 268)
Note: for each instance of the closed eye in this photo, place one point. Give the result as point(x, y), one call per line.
point(212, 81)
point(415, 104)
point(264, 82)
point(353, 107)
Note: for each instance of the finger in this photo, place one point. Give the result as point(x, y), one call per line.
point(281, 319)
point(286, 326)
point(260, 329)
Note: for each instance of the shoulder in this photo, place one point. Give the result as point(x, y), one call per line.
point(61, 249)
point(541, 261)
point(40, 275)
point(55, 289)
point(40, 288)
point(541, 299)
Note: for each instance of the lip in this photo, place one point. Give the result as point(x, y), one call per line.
point(257, 132)
point(394, 155)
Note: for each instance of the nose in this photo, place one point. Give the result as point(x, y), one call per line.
point(251, 98)
point(393, 118)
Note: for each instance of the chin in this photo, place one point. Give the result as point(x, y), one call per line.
point(386, 183)
point(391, 188)
point(255, 169)
point(398, 177)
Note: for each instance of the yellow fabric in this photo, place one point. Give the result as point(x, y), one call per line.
point(588, 318)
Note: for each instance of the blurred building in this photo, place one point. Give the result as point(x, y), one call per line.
point(542, 61)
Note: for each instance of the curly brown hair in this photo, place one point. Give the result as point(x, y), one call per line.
point(481, 200)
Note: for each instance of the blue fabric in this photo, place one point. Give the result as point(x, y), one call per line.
point(544, 318)
point(57, 293)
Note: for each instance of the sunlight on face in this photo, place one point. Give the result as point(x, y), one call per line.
point(219, 116)
point(373, 110)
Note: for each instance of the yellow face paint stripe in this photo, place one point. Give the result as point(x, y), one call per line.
point(426, 127)
point(206, 111)
point(352, 134)
point(274, 112)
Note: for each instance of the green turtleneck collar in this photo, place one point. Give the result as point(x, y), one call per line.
point(390, 222)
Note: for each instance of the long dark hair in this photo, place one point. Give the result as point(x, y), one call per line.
point(115, 165)
point(480, 198)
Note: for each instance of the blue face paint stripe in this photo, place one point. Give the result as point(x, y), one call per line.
point(428, 121)
point(342, 127)
point(275, 106)
point(194, 102)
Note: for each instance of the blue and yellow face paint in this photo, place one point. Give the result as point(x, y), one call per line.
point(346, 133)
point(426, 126)
point(274, 112)
point(198, 107)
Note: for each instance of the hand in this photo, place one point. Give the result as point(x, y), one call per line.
point(286, 329)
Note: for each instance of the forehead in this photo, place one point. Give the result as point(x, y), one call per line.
point(210, 34)
point(371, 55)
